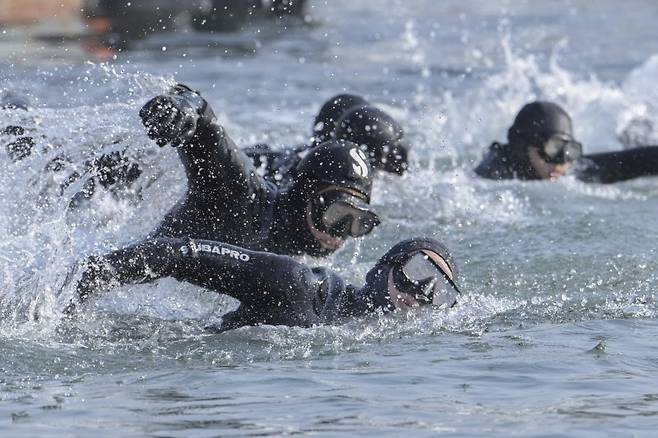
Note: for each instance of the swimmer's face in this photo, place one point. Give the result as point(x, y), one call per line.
point(423, 267)
point(400, 300)
point(333, 241)
point(544, 169)
point(326, 240)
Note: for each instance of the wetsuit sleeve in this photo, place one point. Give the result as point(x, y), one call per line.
point(260, 152)
point(140, 263)
point(214, 165)
point(255, 278)
point(497, 163)
point(610, 167)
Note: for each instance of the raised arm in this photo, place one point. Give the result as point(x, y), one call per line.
point(610, 167)
point(214, 166)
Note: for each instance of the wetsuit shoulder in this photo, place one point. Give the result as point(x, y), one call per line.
point(610, 167)
point(496, 164)
point(276, 165)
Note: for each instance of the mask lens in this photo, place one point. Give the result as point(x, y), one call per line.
point(336, 212)
point(347, 217)
point(443, 293)
point(554, 146)
point(363, 223)
point(419, 268)
point(573, 151)
point(427, 282)
point(341, 214)
point(561, 148)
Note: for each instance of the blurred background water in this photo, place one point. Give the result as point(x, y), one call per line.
point(555, 335)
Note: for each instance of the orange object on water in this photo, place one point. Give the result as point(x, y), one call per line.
point(17, 12)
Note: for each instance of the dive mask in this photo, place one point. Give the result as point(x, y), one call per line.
point(340, 214)
point(420, 277)
point(561, 148)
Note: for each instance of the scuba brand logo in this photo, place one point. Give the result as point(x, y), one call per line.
point(359, 165)
point(216, 249)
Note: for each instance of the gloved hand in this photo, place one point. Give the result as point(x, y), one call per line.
point(173, 118)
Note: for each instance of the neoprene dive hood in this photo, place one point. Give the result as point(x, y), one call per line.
point(336, 162)
point(379, 133)
point(332, 110)
point(537, 121)
point(376, 287)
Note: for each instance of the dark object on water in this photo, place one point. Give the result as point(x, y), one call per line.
point(20, 148)
point(14, 130)
point(113, 172)
point(224, 15)
point(282, 8)
point(343, 117)
point(546, 128)
point(637, 133)
point(227, 200)
point(121, 22)
point(332, 110)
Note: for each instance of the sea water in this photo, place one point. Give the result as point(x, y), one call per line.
point(555, 335)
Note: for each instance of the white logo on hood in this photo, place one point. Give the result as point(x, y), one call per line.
point(359, 165)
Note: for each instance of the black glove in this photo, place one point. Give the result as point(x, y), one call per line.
point(174, 117)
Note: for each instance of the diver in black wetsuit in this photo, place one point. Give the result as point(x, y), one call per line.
point(541, 146)
point(114, 171)
point(325, 203)
point(277, 290)
point(346, 117)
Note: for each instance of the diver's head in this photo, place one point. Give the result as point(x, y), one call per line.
point(542, 136)
point(332, 185)
point(332, 110)
point(415, 272)
point(379, 134)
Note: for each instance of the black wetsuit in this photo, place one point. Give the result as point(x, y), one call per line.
point(272, 289)
point(226, 199)
point(610, 167)
point(116, 172)
point(502, 162)
point(276, 165)
point(346, 117)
